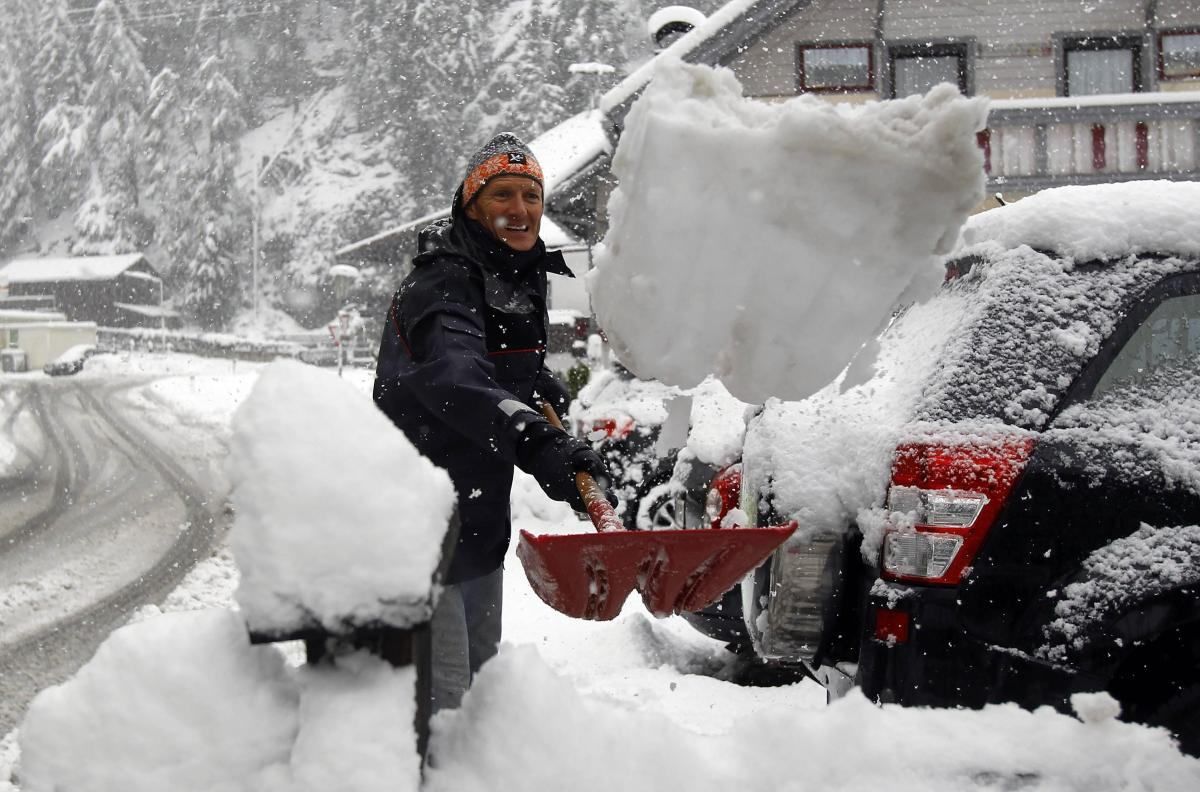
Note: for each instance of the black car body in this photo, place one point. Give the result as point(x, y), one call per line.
point(1034, 529)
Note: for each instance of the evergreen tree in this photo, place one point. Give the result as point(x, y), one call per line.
point(57, 76)
point(167, 146)
point(111, 218)
point(279, 66)
point(523, 92)
point(56, 71)
point(219, 210)
point(441, 127)
point(382, 76)
point(16, 203)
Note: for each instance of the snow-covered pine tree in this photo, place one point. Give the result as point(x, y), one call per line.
point(56, 71)
point(376, 76)
point(168, 148)
point(211, 286)
point(446, 72)
point(111, 219)
point(57, 76)
point(279, 67)
point(523, 91)
point(16, 203)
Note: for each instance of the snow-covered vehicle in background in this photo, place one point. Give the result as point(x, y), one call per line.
point(71, 361)
point(1009, 509)
point(662, 444)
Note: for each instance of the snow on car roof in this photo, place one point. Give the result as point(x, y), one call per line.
point(1098, 222)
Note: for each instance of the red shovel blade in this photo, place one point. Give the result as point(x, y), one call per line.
point(589, 576)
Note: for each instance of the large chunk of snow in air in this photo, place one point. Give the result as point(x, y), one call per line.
point(766, 243)
point(339, 521)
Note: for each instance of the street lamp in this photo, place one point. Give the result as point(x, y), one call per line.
point(344, 277)
point(597, 70)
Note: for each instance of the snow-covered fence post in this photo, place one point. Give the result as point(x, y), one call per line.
point(342, 529)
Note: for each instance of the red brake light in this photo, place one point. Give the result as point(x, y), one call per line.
point(891, 626)
point(954, 493)
point(724, 494)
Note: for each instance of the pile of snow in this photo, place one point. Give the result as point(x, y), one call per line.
point(1098, 222)
point(766, 243)
point(184, 702)
point(339, 520)
point(145, 716)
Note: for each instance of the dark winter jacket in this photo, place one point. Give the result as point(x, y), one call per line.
point(461, 369)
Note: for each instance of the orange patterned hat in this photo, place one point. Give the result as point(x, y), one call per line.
point(503, 154)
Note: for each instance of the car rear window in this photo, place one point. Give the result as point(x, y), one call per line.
point(1034, 322)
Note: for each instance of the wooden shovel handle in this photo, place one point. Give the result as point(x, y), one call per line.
point(604, 517)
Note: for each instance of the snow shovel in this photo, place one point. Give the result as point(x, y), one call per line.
point(590, 575)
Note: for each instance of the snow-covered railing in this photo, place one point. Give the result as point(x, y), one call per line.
point(1032, 144)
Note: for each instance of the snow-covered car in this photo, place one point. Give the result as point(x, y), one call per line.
point(1009, 509)
point(71, 361)
point(662, 444)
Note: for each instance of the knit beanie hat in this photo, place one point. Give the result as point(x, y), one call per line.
point(503, 154)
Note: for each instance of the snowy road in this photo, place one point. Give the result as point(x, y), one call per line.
point(97, 517)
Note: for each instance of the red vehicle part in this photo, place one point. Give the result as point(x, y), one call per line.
point(589, 576)
point(723, 495)
point(954, 492)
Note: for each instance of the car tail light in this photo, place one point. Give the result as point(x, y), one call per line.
point(953, 494)
point(611, 428)
point(891, 626)
point(723, 494)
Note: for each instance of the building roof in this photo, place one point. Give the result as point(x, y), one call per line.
point(78, 268)
point(727, 31)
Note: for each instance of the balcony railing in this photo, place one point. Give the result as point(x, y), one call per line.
point(1033, 144)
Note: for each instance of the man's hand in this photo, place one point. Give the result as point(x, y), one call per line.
point(553, 457)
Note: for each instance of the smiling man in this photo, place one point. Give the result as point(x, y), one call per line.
point(461, 369)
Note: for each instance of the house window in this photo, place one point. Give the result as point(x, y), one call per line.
point(917, 68)
point(837, 67)
point(1101, 65)
point(1179, 54)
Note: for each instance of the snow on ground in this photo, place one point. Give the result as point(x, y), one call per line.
point(774, 236)
point(633, 704)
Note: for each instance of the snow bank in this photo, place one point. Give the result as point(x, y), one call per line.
point(1098, 222)
point(523, 727)
point(765, 243)
point(178, 702)
point(339, 519)
point(183, 702)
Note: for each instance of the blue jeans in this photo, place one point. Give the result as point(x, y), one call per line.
point(465, 633)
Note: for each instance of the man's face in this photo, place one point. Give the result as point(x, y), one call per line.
point(510, 208)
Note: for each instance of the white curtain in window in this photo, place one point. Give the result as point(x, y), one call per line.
point(835, 67)
point(1181, 54)
point(1091, 72)
point(916, 74)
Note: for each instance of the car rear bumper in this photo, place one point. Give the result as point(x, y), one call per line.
point(940, 664)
